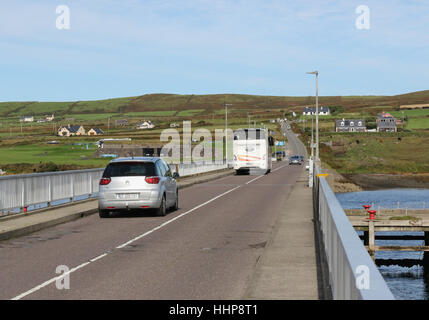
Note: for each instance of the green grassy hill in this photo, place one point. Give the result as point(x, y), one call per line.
point(211, 103)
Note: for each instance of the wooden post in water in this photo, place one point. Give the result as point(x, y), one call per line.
point(365, 238)
point(426, 259)
point(371, 235)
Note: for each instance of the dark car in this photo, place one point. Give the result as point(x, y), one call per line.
point(295, 160)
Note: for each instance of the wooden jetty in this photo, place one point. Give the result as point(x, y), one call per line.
point(402, 220)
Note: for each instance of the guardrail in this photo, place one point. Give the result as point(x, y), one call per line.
point(353, 275)
point(188, 169)
point(26, 190)
point(29, 191)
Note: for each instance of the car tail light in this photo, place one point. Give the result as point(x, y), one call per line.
point(152, 180)
point(104, 181)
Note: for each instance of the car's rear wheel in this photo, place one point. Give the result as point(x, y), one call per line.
point(103, 213)
point(176, 205)
point(162, 210)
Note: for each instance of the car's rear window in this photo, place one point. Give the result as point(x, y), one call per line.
point(126, 169)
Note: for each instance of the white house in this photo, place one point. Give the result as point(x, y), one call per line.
point(95, 132)
point(50, 118)
point(67, 131)
point(146, 125)
point(309, 111)
point(26, 119)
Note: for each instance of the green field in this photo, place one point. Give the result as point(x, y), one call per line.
point(417, 123)
point(189, 113)
point(165, 113)
point(60, 154)
point(376, 152)
point(410, 113)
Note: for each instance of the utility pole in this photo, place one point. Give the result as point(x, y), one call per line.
point(316, 73)
point(108, 125)
point(312, 139)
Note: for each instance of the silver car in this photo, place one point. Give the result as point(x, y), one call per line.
point(137, 183)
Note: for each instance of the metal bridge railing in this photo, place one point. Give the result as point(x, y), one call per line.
point(23, 191)
point(353, 275)
point(26, 190)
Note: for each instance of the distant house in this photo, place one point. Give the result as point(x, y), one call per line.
point(26, 119)
point(355, 125)
point(95, 132)
point(386, 123)
point(146, 125)
point(50, 118)
point(174, 125)
point(67, 131)
point(121, 122)
point(41, 120)
point(309, 111)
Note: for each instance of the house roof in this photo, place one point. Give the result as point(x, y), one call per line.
point(385, 115)
point(72, 129)
point(98, 130)
point(313, 109)
point(360, 123)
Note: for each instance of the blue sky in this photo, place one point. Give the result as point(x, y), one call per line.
point(118, 48)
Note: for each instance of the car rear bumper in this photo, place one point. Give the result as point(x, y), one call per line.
point(109, 202)
point(128, 205)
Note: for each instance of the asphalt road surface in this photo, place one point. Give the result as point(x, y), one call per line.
point(207, 249)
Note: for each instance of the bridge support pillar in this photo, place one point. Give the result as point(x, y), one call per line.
point(366, 238)
point(426, 261)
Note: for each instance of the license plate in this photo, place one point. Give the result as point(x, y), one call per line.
point(127, 196)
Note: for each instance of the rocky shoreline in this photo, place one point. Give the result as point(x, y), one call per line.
point(341, 183)
point(389, 181)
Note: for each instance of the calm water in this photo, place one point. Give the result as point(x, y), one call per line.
point(405, 283)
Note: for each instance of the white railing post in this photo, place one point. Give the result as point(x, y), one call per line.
point(72, 187)
point(23, 194)
point(49, 190)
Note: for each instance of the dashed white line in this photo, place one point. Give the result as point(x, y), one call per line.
point(46, 283)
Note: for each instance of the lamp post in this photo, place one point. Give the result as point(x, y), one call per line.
point(317, 112)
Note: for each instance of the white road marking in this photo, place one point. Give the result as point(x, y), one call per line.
point(46, 283)
point(255, 179)
point(279, 168)
point(175, 218)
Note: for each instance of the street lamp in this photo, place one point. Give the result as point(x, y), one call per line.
point(317, 112)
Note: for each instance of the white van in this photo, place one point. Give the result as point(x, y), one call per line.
point(252, 150)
